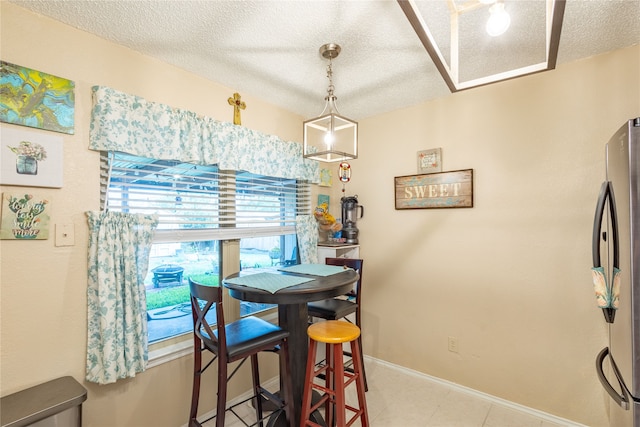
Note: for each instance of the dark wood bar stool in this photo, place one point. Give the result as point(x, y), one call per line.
point(340, 308)
point(236, 341)
point(334, 334)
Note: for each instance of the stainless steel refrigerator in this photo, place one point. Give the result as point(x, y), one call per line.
point(616, 274)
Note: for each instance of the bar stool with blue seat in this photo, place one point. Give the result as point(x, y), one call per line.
point(334, 333)
point(232, 342)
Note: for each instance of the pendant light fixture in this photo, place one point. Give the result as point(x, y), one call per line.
point(330, 137)
point(499, 20)
point(445, 52)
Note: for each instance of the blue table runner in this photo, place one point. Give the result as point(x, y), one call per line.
point(268, 281)
point(314, 269)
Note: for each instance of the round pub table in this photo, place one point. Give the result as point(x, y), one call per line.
point(293, 316)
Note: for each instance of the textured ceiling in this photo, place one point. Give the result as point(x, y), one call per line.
point(269, 49)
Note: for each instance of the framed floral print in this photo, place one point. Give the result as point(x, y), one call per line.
point(30, 158)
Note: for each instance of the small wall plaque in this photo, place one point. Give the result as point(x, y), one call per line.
point(435, 190)
point(25, 216)
point(325, 177)
point(430, 161)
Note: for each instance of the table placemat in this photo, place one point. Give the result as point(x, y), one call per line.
point(268, 281)
point(314, 269)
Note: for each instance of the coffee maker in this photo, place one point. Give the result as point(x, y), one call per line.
point(350, 216)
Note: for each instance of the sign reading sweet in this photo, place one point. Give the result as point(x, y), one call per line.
point(435, 190)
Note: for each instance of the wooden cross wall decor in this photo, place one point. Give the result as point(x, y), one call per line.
point(237, 106)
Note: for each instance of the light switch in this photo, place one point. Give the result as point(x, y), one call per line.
point(65, 235)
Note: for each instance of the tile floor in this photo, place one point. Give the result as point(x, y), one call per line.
point(400, 398)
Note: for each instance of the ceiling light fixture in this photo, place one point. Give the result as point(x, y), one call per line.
point(499, 20)
point(330, 137)
point(449, 65)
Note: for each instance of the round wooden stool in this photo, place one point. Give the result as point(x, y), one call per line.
point(334, 333)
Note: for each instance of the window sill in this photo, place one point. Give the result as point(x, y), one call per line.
point(164, 354)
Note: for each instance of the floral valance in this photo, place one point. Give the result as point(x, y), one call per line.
point(128, 123)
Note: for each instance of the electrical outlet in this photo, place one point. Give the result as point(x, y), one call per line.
point(453, 344)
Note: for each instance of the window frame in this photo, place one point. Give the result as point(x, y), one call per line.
point(228, 190)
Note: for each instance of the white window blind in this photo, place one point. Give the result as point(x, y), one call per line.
point(196, 202)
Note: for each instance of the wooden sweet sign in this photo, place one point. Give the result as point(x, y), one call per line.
point(435, 190)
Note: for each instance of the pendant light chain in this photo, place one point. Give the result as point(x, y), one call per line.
point(331, 88)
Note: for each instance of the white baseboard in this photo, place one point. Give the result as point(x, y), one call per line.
point(492, 399)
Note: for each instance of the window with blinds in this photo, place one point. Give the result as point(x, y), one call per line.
point(196, 202)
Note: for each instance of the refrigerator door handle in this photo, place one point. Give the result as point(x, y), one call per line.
point(606, 192)
point(597, 224)
point(621, 399)
point(614, 226)
point(607, 293)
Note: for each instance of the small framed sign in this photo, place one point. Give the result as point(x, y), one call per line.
point(435, 190)
point(430, 161)
point(25, 216)
point(325, 177)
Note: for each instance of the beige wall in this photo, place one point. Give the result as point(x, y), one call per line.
point(43, 305)
point(509, 278)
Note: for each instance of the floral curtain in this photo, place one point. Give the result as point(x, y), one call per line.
point(119, 245)
point(128, 123)
point(307, 234)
